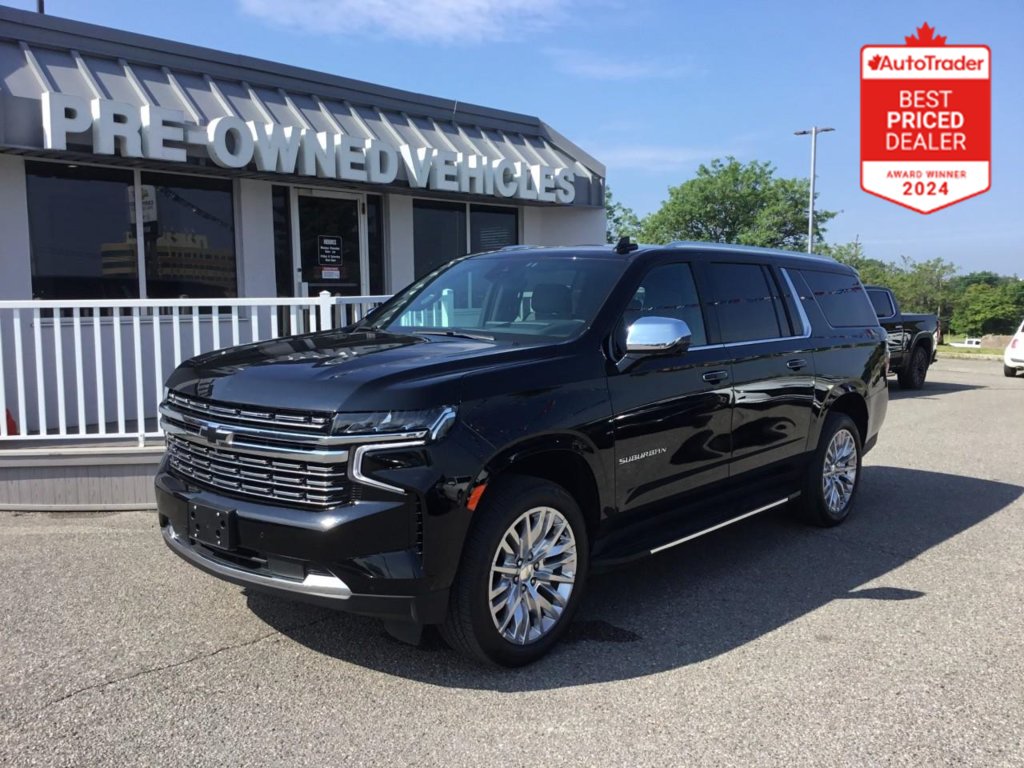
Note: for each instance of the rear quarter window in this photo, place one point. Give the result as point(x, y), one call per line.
point(842, 298)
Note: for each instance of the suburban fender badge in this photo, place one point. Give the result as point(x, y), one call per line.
point(925, 121)
point(643, 455)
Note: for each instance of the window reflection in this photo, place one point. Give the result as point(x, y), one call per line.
point(189, 233)
point(81, 231)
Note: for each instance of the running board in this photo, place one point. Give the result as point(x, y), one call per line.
point(745, 515)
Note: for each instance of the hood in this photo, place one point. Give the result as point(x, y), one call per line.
point(334, 370)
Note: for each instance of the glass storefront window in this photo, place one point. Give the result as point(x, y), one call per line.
point(375, 242)
point(492, 227)
point(189, 233)
point(82, 232)
point(439, 234)
point(283, 269)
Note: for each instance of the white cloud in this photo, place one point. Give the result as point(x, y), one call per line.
point(445, 21)
point(599, 66)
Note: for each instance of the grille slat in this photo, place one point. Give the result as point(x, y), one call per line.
point(318, 483)
point(307, 422)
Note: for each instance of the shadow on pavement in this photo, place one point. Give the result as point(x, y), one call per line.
point(699, 600)
point(930, 389)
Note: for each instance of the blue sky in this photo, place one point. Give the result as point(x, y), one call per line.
point(652, 89)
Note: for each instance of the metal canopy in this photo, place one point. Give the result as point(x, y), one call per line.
point(40, 54)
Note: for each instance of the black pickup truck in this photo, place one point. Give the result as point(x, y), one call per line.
point(911, 338)
point(467, 453)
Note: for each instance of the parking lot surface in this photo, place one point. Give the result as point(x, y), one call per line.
point(896, 639)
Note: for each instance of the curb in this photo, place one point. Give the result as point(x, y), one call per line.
point(943, 355)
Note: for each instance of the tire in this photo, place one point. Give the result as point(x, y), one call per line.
point(913, 375)
point(824, 503)
point(1009, 372)
point(529, 631)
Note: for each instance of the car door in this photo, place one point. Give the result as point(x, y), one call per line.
point(672, 412)
point(765, 343)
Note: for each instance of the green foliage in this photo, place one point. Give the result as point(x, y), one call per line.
point(620, 220)
point(732, 202)
point(984, 307)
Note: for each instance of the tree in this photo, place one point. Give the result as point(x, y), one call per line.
point(986, 308)
point(733, 202)
point(872, 271)
point(620, 220)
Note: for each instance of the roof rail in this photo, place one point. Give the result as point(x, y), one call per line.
point(520, 247)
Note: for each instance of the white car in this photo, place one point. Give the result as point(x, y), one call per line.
point(1013, 357)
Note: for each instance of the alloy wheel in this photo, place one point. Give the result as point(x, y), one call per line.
point(839, 475)
point(532, 575)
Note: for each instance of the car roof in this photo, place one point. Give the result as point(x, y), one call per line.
point(690, 248)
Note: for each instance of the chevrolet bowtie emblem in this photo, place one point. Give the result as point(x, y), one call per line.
point(217, 435)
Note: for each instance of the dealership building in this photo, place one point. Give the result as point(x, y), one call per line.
point(158, 200)
point(137, 167)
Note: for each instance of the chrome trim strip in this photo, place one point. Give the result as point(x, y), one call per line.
point(355, 467)
point(720, 525)
point(203, 409)
point(315, 584)
point(799, 304)
point(275, 452)
point(289, 437)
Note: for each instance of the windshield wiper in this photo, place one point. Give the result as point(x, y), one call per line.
point(457, 334)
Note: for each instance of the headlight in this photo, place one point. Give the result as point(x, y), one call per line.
point(435, 421)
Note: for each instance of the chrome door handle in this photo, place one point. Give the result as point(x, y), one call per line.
point(796, 365)
point(713, 377)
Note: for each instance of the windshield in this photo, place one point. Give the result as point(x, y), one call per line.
point(555, 297)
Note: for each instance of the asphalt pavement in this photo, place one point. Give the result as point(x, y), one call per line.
point(895, 639)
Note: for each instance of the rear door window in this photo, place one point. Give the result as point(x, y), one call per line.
point(842, 298)
point(747, 301)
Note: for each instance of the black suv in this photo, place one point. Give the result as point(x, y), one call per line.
point(516, 419)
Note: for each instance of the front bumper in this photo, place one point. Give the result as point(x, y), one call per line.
point(362, 558)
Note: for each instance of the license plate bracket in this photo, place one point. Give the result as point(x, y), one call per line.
point(212, 526)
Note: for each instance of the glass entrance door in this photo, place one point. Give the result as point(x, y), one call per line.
point(331, 249)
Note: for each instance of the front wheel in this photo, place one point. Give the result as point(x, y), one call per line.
point(913, 375)
point(1009, 372)
point(522, 574)
point(834, 473)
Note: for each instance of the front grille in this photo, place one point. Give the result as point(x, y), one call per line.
point(292, 483)
point(305, 422)
point(276, 457)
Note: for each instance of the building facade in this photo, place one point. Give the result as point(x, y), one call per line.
point(134, 167)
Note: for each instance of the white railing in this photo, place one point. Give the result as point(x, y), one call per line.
point(86, 370)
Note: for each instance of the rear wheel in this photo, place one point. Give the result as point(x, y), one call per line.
point(834, 474)
point(1009, 372)
point(913, 375)
point(522, 574)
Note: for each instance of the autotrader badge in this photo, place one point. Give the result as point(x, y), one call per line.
point(925, 121)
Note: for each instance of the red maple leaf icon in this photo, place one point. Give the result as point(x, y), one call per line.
point(874, 61)
point(926, 36)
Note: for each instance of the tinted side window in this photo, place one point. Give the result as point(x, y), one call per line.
point(668, 290)
point(882, 303)
point(841, 297)
point(747, 301)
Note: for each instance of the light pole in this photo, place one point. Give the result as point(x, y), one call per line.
point(815, 130)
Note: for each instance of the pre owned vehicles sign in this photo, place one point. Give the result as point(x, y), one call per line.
point(925, 121)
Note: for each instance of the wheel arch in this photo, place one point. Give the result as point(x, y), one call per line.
point(568, 460)
point(852, 403)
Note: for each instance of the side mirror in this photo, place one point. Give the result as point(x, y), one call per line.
point(657, 335)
